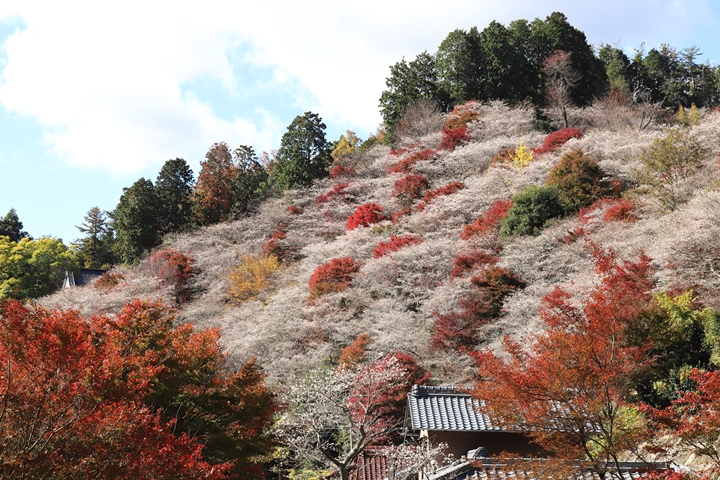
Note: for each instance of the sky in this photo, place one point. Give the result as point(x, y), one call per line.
point(95, 95)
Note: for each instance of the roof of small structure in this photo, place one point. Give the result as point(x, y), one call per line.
point(447, 409)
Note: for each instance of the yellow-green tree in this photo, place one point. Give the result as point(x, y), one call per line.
point(33, 268)
point(345, 146)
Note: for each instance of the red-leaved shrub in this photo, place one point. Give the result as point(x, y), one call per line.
point(295, 210)
point(556, 139)
point(489, 222)
point(622, 210)
point(458, 330)
point(461, 115)
point(336, 191)
point(472, 260)
point(108, 281)
point(364, 215)
point(174, 268)
point(333, 276)
point(403, 150)
point(342, 171)
point(273, 245)
point(453, 137)
point(410, 187)
point(448, 189)
point(394, 244)
point(405, 165)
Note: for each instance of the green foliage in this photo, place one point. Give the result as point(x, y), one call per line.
point(97, 247)
point(532, 209)
point(249, 187)
point(174, 189)
point(136, 222)
point(33, 268)
point(459, 65)
point(11, 226)
point(304, 154)
point(579, 181)
point(666, 163)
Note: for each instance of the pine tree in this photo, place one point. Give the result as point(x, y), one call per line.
point(96, 246)
point(136, 222)
point(174, 188)
point(11, 226)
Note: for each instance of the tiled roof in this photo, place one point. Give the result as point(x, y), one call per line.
point(491, 469)
point(445, 408)
point(370, 465)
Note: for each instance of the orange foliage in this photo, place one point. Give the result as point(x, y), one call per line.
point(333, 276)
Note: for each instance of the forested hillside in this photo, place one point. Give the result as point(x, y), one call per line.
point(578, 216)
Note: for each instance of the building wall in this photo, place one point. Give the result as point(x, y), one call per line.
point(459, 443)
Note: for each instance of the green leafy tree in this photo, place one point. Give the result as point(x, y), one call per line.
point(249, 186)
point(579, 179)
point(11, 226)
point(33, 268)
point(617, 68)
point(174, 189)
point(136, 222)
point(460, 67)
point(96, 248)
point(304, 154)
point(532, 209)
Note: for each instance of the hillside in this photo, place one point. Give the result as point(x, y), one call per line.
point(393, 298)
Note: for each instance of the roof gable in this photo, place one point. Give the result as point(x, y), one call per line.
point(447, 409)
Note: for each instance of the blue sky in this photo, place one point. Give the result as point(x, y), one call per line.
point(93, 97)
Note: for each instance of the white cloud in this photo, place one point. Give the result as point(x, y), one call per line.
point(108, 82)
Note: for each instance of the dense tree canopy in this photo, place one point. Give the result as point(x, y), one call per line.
point(136, 221)
point(96, 247)
point(173, 188)
point(12, 227)
point(249, 186)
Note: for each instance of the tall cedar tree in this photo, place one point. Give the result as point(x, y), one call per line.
point(97, 245)
point(213, 191)
point(249, 187)
point(174, 189)
point(571, 390)
point(125, 397)
point(11, 226)
point(136, 221)
point(304, 154)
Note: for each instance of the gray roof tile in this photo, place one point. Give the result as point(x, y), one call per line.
point(445, 408)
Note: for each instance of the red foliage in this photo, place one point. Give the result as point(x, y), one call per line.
point(98, 397)
point(458, 330)
point(448, 189)
point(174, 268)
point(395, 244)
point(337, 190)
point(295, 210)
point(364, 215)
point(333, 276)
point(557, 139)
point(409, 188)
point(453, 137)
point(353, 355)
point(397, 214)
point(403, 150)
point(405, 165)
point(273, 245)
point(108, 281)
point(472, 260)
point(342, 171)
point(461, 115)
point(622, 210)
point(577, 376)
point(489, 222)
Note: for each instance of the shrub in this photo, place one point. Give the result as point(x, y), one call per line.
point(333, 276)
point(458, 330)
point(488, 223)
point(273, 245)
point(250, 277)
point(448, 189)
point(622, 210)
point(472, 260)
point(531, 210)
point(342, 171)
point(454, 137)
point(336, 191)
point(666, 163)
point(174, 268)
point(395, 244)
point(461, 115)
point(405, 165)
point(364, 215)
point(108, 281)
point(409, 188)
point(295, 210)
point(579, 181)
point(557, 139)
point(504, 156)
point(522, 156)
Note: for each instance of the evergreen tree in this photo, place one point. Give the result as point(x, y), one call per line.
point(249, 186)
point(136, 221)
point(97, 245)
point(174, 189)
point(304, 154)
point(11, 226)
point(461, 67)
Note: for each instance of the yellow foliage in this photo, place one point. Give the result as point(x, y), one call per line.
point(522, 156)
point(694, 115)
point(346, 146)
point(681, 115)
point(251, 276)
